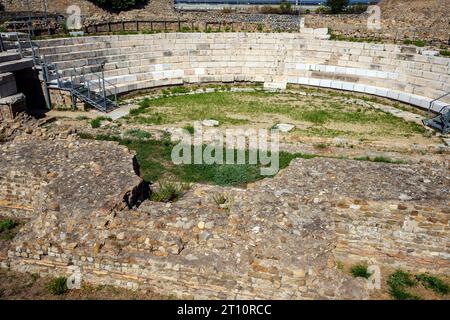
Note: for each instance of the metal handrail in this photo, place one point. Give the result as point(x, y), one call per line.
point(433, 101)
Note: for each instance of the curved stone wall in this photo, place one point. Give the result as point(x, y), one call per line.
point(135, 62)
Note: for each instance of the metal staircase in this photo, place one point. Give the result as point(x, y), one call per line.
point(441, 120)
point(90, 88)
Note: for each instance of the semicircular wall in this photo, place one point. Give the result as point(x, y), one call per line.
point(135, 62)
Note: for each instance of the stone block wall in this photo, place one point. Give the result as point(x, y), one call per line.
point(137, 62)
point(18, 191)
point(396, 234)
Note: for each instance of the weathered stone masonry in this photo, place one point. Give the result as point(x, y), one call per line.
point(280, 238)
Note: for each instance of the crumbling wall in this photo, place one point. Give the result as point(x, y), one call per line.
point(396, 234)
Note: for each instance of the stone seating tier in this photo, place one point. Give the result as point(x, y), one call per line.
point(135, 62)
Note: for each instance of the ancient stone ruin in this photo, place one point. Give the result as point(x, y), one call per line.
point(87, 208)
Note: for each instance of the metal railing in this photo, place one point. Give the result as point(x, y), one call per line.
point(98, 92)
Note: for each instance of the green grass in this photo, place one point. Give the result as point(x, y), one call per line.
point(379, 159)
point(399, 282)
point(95, 123)
point(138, 134)
point(444, 53)
point(58, 286)
point(237, 108)
point(434, 283)
point(360, 270)
point(154, 158)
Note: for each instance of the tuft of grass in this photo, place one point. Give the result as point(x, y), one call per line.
point(138, 134)
point(321, 146)
point(82, 118)
point(444, 53)
point(168, 192)
point(189, 128)
point(360, 270)
point(58, 286)
point(220, 199)
point(340, 265)
point(399, 282)
point(95, 123)
point(434, 283)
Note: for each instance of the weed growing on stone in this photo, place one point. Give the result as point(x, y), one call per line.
point(220, 199)
point(58, 286)
point(399, 282)
point(379, 159)
point(7, 227)
point(360, 270)
point(168, 192)
point(434, 283)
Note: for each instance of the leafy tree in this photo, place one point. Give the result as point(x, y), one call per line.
point(337, 6)
point(285, 7)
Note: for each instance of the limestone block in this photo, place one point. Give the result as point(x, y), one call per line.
point(7, 85)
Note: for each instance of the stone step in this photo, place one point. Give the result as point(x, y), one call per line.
point(10, 55)
point(15, 65)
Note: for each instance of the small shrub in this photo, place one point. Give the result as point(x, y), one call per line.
point(407, 41)
point(58, 286)
point(433, 283)
point(420, 43)
point(337, 6)
point(444, 53)
point(82, 118)
point(168, 192)
point(260, 27)
point(360, 270)
point(340, 265)
point(398, 282)
point(285, 7)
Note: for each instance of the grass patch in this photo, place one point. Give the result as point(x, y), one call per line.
point(434, 283)
point(58, 286)
point(154, 158)
point(95, 123)
point(399, 282)
point(7, 227)
point(237, 108)
point(361, 271)
point(379, 159)
point(138, 134)
point(444, 53)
